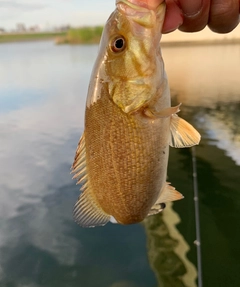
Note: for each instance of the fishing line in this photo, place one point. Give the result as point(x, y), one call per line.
point(197, 217)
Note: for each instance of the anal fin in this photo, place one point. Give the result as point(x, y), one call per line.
point(156, 208)
point(168, 193)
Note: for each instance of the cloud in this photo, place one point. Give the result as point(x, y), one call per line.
point(16, 5)
point(50, 13)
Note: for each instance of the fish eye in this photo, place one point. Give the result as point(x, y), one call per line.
point(163, 205)
point(118, 44)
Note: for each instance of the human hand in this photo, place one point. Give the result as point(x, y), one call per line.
point(222, 16)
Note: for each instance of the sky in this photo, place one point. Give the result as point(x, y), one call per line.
point(51, 13)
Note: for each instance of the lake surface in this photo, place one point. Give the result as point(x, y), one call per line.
point(42, 101)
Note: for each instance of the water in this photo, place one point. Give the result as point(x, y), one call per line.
point(42, 101)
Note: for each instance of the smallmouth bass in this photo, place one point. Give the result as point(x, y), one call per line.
point(121, 159)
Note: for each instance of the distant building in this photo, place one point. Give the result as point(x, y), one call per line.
point(21, 27)
point(62, 28)
point(2, 30)
point(34, 28)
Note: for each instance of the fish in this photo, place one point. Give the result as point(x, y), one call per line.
point(122, 156)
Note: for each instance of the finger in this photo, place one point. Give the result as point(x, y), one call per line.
point(224, 15)
point(173, 17)
point(195, 15)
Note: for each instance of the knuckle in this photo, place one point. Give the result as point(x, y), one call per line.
point(223, 16)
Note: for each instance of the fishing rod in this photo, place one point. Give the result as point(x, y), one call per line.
point(197, 217)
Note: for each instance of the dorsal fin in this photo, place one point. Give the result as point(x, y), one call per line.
point(80, 158)
point(86, 212)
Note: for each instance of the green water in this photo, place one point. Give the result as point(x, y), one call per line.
point(42, 100)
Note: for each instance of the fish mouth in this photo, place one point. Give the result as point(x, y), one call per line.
point(139, 14)
point(142, 15)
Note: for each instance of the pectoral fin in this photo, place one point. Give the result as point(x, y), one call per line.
point(168, 112)
point(87, 212)
point(168, 193)
point(182, 133)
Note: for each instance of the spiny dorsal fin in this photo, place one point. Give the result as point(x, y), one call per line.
point(86, 211)
point(182, 133)
point(79, 162)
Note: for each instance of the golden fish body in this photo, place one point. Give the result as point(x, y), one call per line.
point(121, 160)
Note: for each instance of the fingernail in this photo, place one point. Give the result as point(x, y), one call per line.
point(191, 8)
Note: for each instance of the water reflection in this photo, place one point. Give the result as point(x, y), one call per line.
point(40, 245)
point(223, 128)
point(205, 75)
point(42, 101)
point(167, 251)
point(209, 81)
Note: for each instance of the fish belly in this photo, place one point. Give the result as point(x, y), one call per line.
point(126, 157)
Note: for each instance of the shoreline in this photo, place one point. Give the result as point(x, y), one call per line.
point(62, 38)
point(200, 42)
point(24, 37)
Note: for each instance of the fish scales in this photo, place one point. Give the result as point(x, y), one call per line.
point(127, 163)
